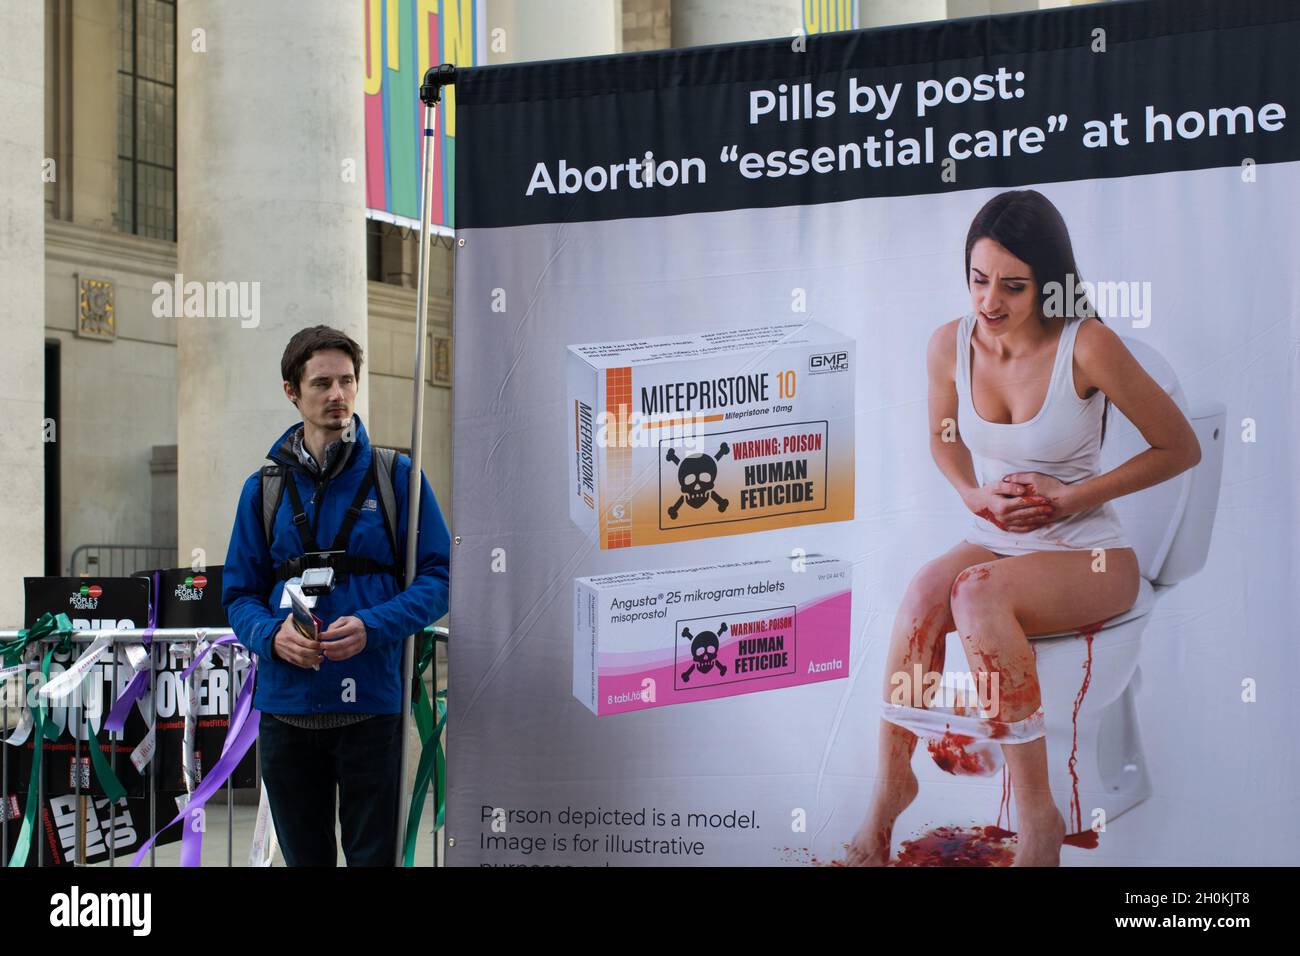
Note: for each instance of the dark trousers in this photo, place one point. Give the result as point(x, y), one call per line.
point(302, 769)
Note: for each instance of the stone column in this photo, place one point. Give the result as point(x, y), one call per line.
point(271, 192)
point(982, 8)
point(22, 299)
point(552, 30)
point(883, 13)
point(699, 22)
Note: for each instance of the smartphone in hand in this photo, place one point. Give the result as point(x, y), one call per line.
point(307, 623)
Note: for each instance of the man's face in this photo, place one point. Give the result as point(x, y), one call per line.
point(327, 390)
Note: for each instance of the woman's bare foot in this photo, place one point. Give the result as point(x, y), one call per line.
point(1040, 832)
point(872, 844)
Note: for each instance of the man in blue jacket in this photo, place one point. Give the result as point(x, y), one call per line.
point(332, 706)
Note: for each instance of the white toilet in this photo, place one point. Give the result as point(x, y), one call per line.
point(1169, 527)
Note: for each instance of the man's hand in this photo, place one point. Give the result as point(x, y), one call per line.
point(345, 638)
point(291, 646)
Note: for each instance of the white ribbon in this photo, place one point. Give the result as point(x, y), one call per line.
point(141, 658)
point(15, 670)
point(19, 735)
point(137, 655)
point(262, 850)
point(21, 732)
point(25, 722)
point(58, 689)
point(189, 762)
point(143, 752)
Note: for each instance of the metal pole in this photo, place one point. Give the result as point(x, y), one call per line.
point(179, 635)
point(230, 781)
point(112, 762)
point(430, 94)
point(76, 725)
point(38, 834)
point(153, 761)
point(21, 680)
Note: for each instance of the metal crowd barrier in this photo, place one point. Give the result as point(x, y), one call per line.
point(166, 637)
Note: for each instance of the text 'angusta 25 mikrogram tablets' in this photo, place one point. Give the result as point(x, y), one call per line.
point(646, 639)
point(678, 438)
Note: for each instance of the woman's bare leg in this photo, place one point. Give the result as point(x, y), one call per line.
point(996, 613)
point(920, 628)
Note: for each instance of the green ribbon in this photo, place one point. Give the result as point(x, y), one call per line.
point(11, 652)
point(113, 788)
point(47, 626)
point(433, 763)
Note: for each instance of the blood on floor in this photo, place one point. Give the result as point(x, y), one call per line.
point(958, 846)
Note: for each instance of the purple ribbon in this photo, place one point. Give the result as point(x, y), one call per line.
point(198, 658)
point(155, 584)
point(239, 737)
point(116, 719)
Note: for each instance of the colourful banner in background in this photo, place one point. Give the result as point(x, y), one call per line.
point(828, 16)
point(403, 39)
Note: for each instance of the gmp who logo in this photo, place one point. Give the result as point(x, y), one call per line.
point(822, 362)
point(78, 909)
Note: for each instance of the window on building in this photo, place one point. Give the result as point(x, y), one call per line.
point(146, 118)
point(374, 250)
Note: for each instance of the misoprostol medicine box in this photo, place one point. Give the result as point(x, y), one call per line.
point(650, 638)
point(677, 438)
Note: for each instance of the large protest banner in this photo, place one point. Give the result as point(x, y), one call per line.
point(403, 37)
point(718, 312)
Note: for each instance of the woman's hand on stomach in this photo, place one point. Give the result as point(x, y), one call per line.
point(1013, 505)
point(1041, 487)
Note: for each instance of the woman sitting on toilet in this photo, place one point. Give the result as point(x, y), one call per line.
point(1018, 390)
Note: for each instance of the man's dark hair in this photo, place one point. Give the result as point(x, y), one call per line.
point(307, 343)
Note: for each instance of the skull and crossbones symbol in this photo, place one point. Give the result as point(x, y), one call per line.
point(696, 474)
point(704, 651)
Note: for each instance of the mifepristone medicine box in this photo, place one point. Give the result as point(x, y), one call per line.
point(685, 437)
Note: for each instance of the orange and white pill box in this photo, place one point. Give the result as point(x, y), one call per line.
point(682, 437)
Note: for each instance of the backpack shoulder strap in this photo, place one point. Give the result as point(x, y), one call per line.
point(384, 460)
point(350, 517)
point(272, 492)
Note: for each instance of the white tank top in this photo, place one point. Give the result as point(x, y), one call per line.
point(1063, 440)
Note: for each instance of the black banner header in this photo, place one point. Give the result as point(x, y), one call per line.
point(1100, 91)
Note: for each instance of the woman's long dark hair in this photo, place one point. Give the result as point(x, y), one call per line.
point(1027, 225)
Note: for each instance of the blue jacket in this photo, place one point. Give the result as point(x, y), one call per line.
point(251, 594)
